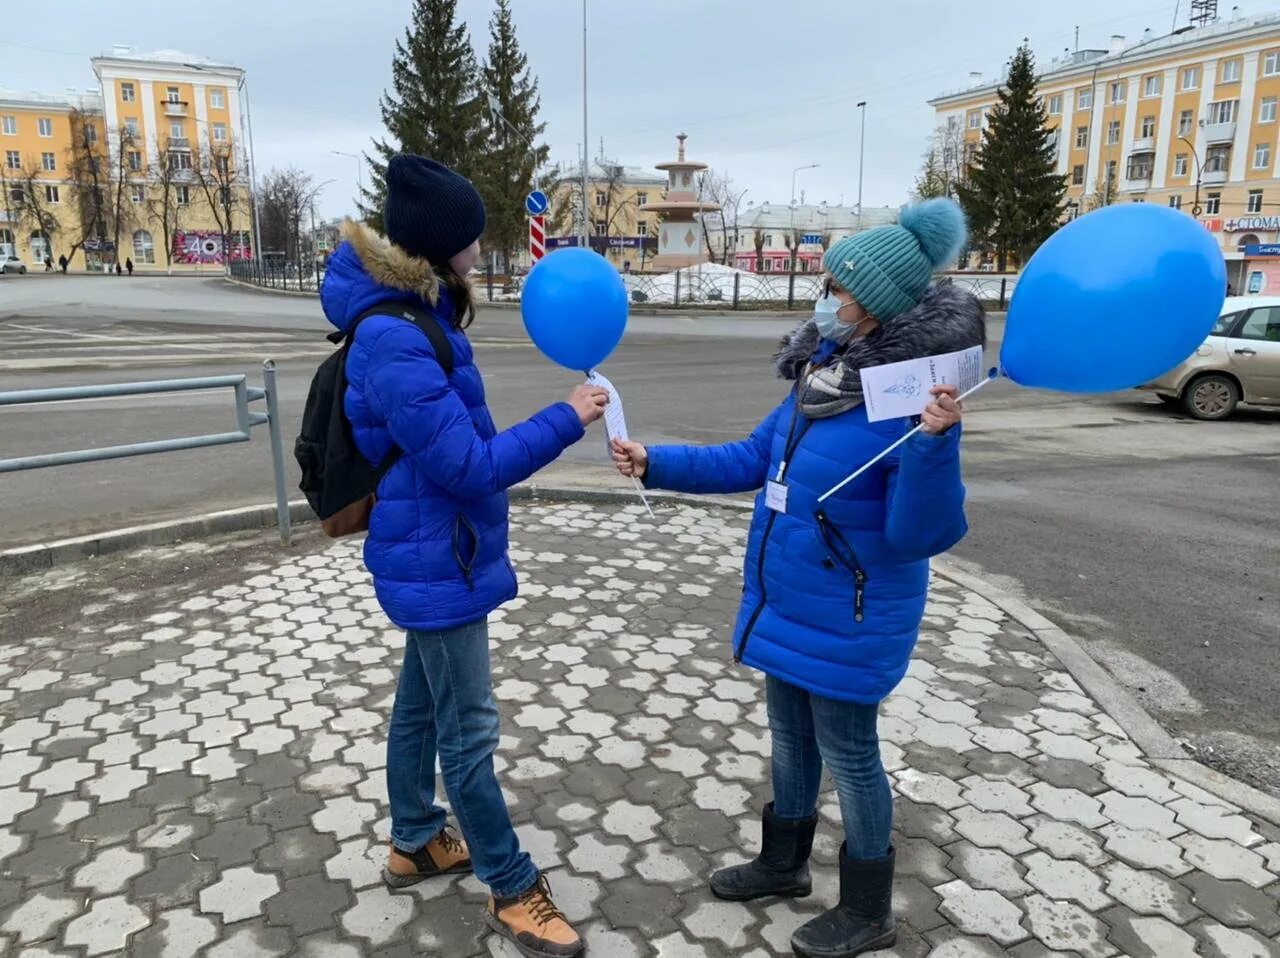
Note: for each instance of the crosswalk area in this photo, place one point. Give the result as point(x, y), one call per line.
point(32, 345)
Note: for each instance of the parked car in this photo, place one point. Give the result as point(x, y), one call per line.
point(11, 264)
point(1239, 362)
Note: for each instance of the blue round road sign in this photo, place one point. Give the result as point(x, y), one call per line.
point(536, 203)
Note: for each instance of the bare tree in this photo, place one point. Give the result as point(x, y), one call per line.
point(611, 183)
point(946, 164)
point(757, 239)
point(90, 182)
point(29, 204)
point(170, 180)
point(285, 195)
point(219, 176)
point(125, 143)
point(717, 189)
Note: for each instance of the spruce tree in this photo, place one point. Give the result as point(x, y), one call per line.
point(510, 130)
point(1014, 194)
point(433, 108)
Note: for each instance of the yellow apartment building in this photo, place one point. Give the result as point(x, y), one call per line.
point(150, 165)
point(1190, 120)
point(616, 199)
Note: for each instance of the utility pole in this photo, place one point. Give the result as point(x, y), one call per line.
point(862, 153)
point(586, 229)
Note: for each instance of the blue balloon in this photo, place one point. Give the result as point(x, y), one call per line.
point(1113, 300)
point(574, 306)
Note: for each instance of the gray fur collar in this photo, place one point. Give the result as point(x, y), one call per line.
point(947, 319)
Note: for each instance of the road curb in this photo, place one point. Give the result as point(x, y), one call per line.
point(1158, 745)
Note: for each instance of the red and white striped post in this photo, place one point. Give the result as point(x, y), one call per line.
point(537, 238)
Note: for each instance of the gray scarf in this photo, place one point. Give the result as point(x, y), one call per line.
point(945, 320)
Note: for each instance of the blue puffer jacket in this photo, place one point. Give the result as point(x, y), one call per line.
point(802, 618)
point(437, 544)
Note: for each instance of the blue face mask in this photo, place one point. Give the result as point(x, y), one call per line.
point(826, 314)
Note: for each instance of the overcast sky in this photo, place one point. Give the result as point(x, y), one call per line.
point(760, 86)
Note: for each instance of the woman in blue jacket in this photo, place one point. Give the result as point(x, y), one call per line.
point(834, 593)
point(437, 544)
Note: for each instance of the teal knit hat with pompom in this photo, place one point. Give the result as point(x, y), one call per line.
point(888, 269)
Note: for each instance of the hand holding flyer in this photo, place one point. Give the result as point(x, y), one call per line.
point(900, 390)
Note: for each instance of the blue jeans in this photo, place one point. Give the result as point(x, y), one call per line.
point(808, 731)
point(444, 707)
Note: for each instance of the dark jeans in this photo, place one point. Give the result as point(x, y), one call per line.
point(810, 731)
point(444, 707)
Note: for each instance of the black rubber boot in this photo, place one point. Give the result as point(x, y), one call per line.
point(863, 921)
point(781, 868)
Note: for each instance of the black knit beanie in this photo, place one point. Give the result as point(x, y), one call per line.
point(430, 211)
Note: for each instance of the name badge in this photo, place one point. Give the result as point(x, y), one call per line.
point(775, 497)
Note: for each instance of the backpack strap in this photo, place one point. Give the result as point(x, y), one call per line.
point(440, 344)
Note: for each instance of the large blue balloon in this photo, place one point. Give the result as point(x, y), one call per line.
point(1113, 300)
point(575, 308)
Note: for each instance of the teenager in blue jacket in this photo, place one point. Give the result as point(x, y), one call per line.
point(437, 544)
point(834, 592)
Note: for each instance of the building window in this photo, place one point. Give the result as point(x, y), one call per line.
point(1223, 111)
point(601, 227)
point(182, 194)
point(601, 199)
point(1217, 159)
point(1084, 98)
point(135, 161)
point(144, 248)
point(642, 228)
point(953, 123)
point(131, 125)
point(1077, 175)
point(975, 119)
point(1230, 71)
point(13, 159)
point(48, 162)
point(768, 240)
point(1255, 201)
point(1113, 132)
point(179, 160)
point(224, 197)
point(90, 133)
point(1175, 201)
point(1148, 127)
point(1213, 204)
point(642, 199)
point(1186, 121)
point(1151, 85)
point(1082, 137)
point(1112, 166)
point(1073, 210)
point(1055, 104)
point(1267, 111)
point(220, 133)
point(1191, 78)
point(171, 95)
point(44, 126)
point(127, 94)
point(1140, 166)
point(137, 193)
point(1271, 65)
point(177, 132)
point(39, 246)
point(218, 98)
point(1118, 91)
point(1180, 165)
point(1262, 156)
point(51, 194)
point(10, 125)
point(222, 165)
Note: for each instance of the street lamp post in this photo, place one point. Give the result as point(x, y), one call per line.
point(799, 169)
point(1196, 209)
point(862, 147)
point(243, 87)
point(359, 168)
point(586, 149)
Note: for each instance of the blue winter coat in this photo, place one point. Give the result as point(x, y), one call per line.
point(437, 544)
point(802, 617)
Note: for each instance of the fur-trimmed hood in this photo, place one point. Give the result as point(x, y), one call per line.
point(368, 269)
point(945, 320)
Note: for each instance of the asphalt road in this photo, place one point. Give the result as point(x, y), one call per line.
point(1150, 537)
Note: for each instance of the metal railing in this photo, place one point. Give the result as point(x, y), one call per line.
point(295, 277)
point(246, 419)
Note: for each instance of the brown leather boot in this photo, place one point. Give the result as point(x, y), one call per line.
point(532, 923)
point(443, 855)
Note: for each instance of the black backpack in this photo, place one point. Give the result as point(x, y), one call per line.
point(337, 479)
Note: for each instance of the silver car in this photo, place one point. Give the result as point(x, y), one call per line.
point(1239, 362)
point(11, 264)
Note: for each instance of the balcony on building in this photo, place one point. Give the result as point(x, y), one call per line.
point(1217, 166)
point(1143, 144)
point(176, 108)
point(1219, 132)
point(1214, 177)
point(1138, 173)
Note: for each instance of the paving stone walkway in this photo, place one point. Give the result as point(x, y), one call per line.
point(195, 767)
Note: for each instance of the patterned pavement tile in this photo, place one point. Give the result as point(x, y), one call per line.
point(201, 770)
